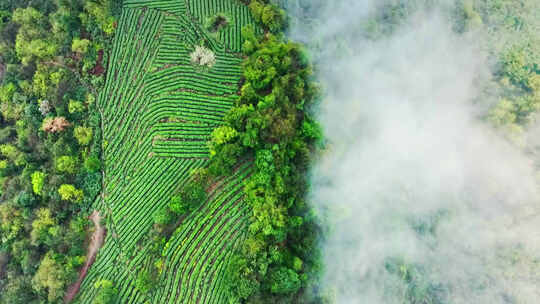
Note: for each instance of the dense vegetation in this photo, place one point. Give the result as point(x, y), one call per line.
point(50, 144)
point(271, 123)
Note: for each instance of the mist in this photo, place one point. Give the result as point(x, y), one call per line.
point(425, 202)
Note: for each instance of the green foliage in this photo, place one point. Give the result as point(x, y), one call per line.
point(106, 293)
point(216, 22)
point(188, 199)
point(91, 186)
point(41, 82)
point(83, 135)
point(80, 45)
point(70, 193)
point(33, 41)
point(26, 200)
point(269, 15)
point(92, 164)
point(224, 157)
point(13, 154)
point(185, 201)
point(12, 222)
point(66, 164)
point(75, 106)
point(43, 237)
point(177, 205)
point(38, 178)
point(241, 280)
point(284, 280)
point(43, 227)
point(145, 281)
point(271, 124)
point(100, 10)
point(51, 277)
point(163, 216)
point(18, 290)
point(7, 92)
point(223, 135)
point(472, 18)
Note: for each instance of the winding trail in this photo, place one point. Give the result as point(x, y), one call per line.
point(96, 243)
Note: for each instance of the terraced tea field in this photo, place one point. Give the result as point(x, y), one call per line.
point(158, 111)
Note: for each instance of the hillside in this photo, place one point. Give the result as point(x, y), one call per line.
point(269, 151)
point(184, 182)
point(158, 113)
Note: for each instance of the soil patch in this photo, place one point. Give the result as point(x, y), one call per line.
point(96, 242)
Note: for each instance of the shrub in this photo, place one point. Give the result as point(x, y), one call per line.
point(163, 217)
point(144, 282)
point(106, 294)
point(217, 22)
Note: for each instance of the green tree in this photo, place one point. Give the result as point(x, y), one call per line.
point(80, 45)
point(18, 290)
point(38, 178)
point(240, 279)
point(101, 11)
point(33, 40)
point(83, 135)
point(70, 193)
point(75, 106)
point(177, 205)
point(13, 154)
point(223, 135)
point(11, 223)
point(50, 278)
point(42, 84)
point(7, 92)
point(284, 280)
point(163, 217)
point(26, 199)
point(92, 164)
point(66, 164)
point(43, 227)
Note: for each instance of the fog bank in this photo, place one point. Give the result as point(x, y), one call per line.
point(426, 203)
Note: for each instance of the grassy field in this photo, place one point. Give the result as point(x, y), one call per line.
point(158, 112)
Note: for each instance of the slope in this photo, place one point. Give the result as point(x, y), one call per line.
point(158, 112)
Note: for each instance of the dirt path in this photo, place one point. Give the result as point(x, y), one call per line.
point(96, 242)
